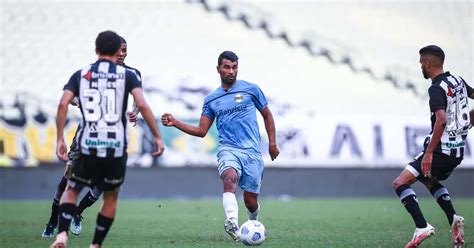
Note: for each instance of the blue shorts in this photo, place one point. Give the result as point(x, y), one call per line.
point(249, 168)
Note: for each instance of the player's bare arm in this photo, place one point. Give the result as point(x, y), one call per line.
point(435, 139)
point(147, 114)
point(133, 115)
point(61, 148)
point(271, 132)
point(199, 131)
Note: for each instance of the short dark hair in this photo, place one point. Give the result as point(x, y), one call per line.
point(433, 50)
point(123, 40)
point(229, 55)
point(108, 43)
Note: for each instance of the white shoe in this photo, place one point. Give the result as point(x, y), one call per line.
point(420, 235)
point(458, 231)
point(232, 228)
point(61, 241)
point(76, 226)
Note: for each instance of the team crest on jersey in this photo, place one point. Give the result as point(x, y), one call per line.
point(450, 92)
point(88, 75)
point(238, 98)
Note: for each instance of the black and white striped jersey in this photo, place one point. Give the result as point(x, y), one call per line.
point(103, 89)
point(450, 93)
point(139, 74)
point(136, 71)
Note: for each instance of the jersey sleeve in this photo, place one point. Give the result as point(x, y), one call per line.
point(469, 89)
point(207, 110)
point(258, 98)
point(437, 98)
point(73, 83)
point(133, 80)
point(138, 73)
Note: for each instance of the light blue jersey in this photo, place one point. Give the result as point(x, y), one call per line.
point(234, 111)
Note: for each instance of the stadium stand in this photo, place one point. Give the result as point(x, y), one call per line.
point(309, 60)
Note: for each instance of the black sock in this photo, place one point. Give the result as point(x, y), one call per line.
point(53, 219)
point(409, 200)
point(86, 202)
point(66, 212)
point(441, 194)
point(101, 229)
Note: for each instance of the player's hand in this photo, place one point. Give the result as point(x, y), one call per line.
point(273, 150)
point(426, 164)
point(61, 150)
point(159, 148)
point(168, 120)
point(132, 117)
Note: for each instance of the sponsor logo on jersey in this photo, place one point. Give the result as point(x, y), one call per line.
point(232, 110)
point(93, 127)
point(105, 75)
point(103, 143)
point(455, 144)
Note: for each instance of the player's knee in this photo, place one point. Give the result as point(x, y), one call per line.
point(229, 180)
point(397, 183)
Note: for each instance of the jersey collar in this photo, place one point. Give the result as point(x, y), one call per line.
point(232, 87)
point(442, 75)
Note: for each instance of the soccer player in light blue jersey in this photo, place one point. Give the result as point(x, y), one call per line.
point(233, 105)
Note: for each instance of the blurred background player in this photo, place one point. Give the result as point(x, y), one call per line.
point(444, 147)
point(239, 159)
point(92, 195)
point(103, 89)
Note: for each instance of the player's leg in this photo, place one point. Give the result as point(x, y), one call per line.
point(90, 198)
point(53, 219)
point(251, 182)
point(252, 205)
point(229, 201)
point(442, 167)
point(105, 218)
point(229, 168)
point(441, 194)
point(82, 174)
point(409, 199)
point(112, 176)
point(67, 210)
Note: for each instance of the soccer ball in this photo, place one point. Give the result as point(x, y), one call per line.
point(252, 233)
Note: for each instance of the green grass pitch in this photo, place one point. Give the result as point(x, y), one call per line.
point(199, 223)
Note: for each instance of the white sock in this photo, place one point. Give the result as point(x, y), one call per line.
point(254, 215)
point(231, 207)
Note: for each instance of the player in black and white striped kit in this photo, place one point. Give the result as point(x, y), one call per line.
point(103, 89)
point(443, 148)
point(93, 194)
